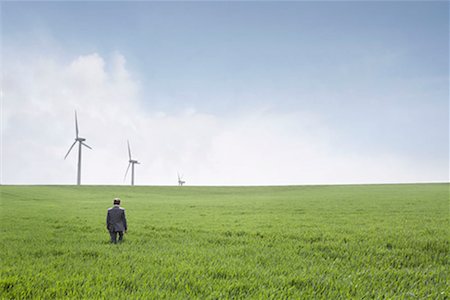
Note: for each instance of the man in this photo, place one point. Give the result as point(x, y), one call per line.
point(116, 223)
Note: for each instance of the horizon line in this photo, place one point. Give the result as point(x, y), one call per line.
point(243, 186)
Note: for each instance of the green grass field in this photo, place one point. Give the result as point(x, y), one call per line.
point(330, 242)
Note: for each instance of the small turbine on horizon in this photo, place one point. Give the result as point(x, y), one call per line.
point(180, 180)
point(80, 142)
point(131, 163)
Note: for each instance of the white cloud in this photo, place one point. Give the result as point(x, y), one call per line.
point(255, 147)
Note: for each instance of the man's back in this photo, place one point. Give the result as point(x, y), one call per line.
point(116, 220)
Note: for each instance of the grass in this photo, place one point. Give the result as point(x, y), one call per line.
point(330, 242)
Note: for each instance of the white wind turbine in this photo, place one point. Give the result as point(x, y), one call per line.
point(180, 180)
point(131, 163)
point(80, 142)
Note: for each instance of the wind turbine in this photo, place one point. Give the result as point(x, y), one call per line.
point(180, 181)
point(131, 163)
point(80, 142)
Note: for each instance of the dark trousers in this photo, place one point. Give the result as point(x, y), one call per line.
point(113, 235)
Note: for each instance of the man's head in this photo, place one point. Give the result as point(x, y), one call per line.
point(116, 201)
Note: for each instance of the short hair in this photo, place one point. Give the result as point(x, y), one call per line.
point(116, 201)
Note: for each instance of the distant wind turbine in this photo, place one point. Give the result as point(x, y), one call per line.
point(180, 180)
point(80, 142)
point(131, 163)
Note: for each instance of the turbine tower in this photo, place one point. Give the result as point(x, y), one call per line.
point(131, 163)
point(80, 142)
point(180, 180)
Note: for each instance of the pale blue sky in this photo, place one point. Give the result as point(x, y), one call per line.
point(373, 73)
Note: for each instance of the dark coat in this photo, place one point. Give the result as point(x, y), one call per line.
point(116, 220)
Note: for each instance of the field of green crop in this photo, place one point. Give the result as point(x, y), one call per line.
point(330, 242)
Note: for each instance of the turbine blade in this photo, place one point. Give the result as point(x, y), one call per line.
point(76, 124)
point(124, 177)
point(86, 145)
point(129, 151)
point(70, 149)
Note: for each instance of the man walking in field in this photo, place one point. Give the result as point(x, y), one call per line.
point(116, 222)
